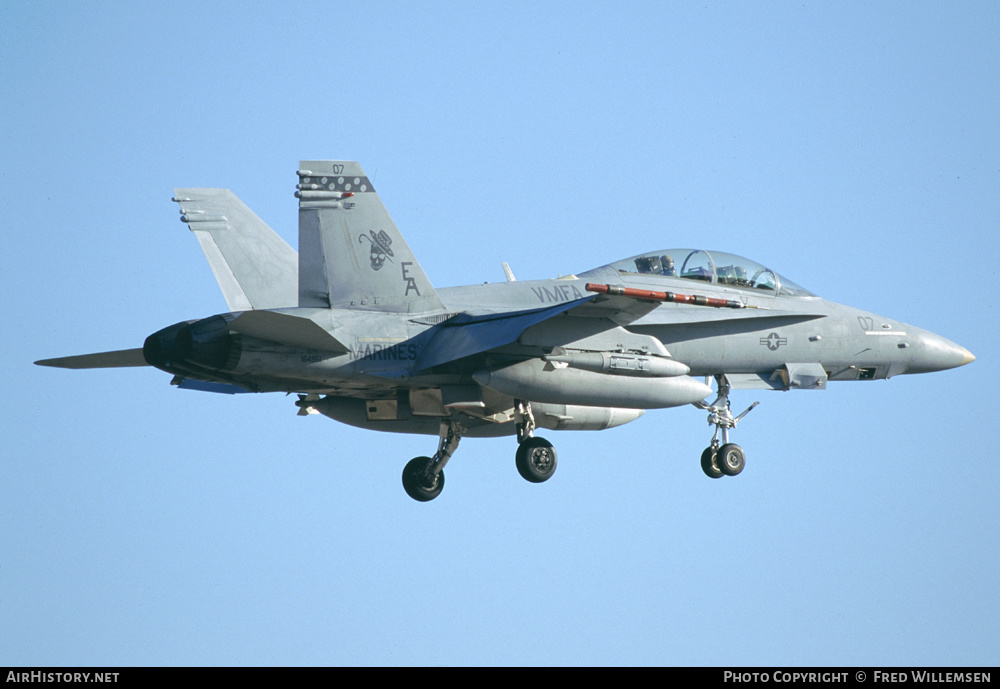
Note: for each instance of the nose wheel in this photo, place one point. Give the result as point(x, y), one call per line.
point(730, 459)
point(708, 463)
point(722, 458)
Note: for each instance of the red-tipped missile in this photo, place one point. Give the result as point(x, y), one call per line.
point(651, 295)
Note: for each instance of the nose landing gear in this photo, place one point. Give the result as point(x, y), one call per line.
point(725, 458)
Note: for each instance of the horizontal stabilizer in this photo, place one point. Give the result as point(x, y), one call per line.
point(286, 329)
point(255, 268)
point(123, 358)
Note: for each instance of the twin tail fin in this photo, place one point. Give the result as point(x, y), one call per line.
point(351, 254)
point(255, 268)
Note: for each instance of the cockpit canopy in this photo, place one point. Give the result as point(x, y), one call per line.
point(714, 267)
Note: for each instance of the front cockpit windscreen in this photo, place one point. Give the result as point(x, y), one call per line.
point(713, 267)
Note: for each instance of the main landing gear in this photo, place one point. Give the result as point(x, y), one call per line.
point(423, 477)
point(725, 458)
point(536, 458)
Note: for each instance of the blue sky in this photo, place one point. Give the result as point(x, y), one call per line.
point(849, 146)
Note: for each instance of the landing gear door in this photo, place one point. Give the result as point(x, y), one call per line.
point(803, 376)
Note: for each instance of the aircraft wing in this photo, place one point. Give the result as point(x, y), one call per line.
point(465, 335)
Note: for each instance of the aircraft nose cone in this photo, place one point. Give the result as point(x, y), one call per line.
point(934, 353)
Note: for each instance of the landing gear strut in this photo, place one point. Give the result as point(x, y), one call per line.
point(725, 458)
point(536, 458)
point(423, 477)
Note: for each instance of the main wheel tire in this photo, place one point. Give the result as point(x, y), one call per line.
point(708, 464)
point(536, 460)
point(731, 459)
point(415, 481)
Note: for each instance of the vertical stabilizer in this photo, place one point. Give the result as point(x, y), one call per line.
point(255, 268)
point(350, 252)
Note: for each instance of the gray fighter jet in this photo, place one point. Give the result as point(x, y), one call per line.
point(354, 326)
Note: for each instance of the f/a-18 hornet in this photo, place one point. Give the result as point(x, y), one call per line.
point(354, 326)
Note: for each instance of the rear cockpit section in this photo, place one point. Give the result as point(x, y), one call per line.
point(714, 267)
